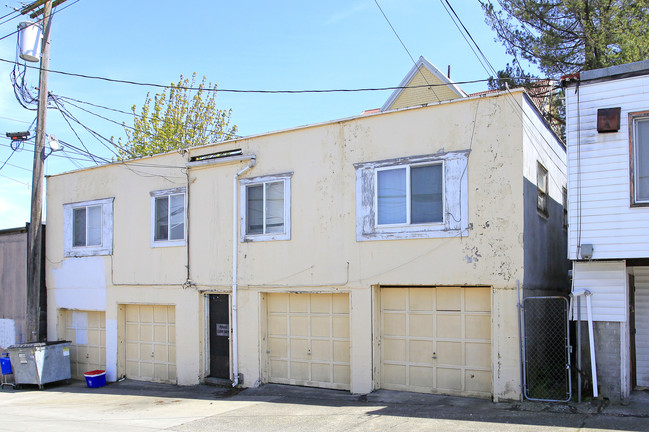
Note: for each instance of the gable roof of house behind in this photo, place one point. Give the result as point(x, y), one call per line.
point(421, 75)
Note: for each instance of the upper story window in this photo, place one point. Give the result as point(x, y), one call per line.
point(168, 217)
point(542, 188)
point(412, 197)
point(265, 208)
point(639, 144)
point(410, 194)
point(564, 199)
point(88, 228)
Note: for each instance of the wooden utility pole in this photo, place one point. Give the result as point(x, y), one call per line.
point(35, 271)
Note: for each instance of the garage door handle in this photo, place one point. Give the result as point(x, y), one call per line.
point(434, 355)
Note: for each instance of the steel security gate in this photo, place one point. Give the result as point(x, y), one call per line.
point(546, 349)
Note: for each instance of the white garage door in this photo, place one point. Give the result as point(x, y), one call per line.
point(641, 325)
point(436, 340)
point(151, 343)
point(87, 332)
point(308, 339)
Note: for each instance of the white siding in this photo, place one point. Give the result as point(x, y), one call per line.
point(607, 281)
point(599, 205)
point(642, 324)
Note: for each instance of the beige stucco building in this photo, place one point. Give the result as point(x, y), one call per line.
point(380, 251)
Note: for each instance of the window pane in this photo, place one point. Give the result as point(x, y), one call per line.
point(93, 223)
point(275, 207)
point(391, 196)
point(79, 227)
point(177, 218)
point(641, 164)
point(426, 194)
point(161, 230)
point(254, 209)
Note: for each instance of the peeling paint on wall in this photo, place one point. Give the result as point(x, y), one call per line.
point(80, 283)
point(111, 350)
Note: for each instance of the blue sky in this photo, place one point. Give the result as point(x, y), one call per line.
point(253, 45)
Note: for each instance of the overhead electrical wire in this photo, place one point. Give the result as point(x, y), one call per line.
point(54, 12)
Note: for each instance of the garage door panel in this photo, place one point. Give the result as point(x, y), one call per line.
point(298, 303)
point(340, 326)
point(340, 304)
point(449, 379)
point(422, 325)
point(421, 351)
point(478, 300)
point(313, 348)
point(146, 333)
point(394, 350)
point(299, 326)
point(278, 303)
point(341, 351)
point(478, 354)
point(146, 370)
point(341, 373)
point(321, 372)
point(171, 333)
point(132, 368)
point(394, 324)
point(279, 369)
point(146, 314)
point(160, 334)
point(478, 327)
point(422, 376)
point(277, 325)
point(278, 347)
point(321, 350)
point(478, 380)
point(299, 349)
point(449, 326)
point(321, 326)
point(160, 314)
point(392, 299)
point(320, 303)
point(435, 343)
point(300, 371)
point(394, 374)
point(421, 300)
point(449, 298)
point(160, 353)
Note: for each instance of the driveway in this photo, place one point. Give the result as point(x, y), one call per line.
point(137, 406)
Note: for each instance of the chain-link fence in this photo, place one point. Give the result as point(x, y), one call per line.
point(546, 349)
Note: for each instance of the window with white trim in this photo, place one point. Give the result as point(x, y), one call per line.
point(410, 194)
point(412, 197)
point(265, 208)
point(88, 228)
point(639, 124)
point(168, 217)
point(542, 189)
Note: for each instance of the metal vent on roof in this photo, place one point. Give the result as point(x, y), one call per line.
point(217, 155)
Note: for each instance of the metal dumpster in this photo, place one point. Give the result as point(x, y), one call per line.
point(40, 362)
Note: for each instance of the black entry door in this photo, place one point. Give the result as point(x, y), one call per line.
point(219, 336)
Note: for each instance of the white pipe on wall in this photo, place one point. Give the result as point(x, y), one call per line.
point(235, 252)
point(591, 336)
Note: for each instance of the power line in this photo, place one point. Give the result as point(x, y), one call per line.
point(53, 13)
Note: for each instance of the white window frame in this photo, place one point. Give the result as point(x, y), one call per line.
point(408, 222)
point(168, 193)
point(106, 245)
point(263, 180)
point(634, 118)
point(542, 192)
point(454, 196)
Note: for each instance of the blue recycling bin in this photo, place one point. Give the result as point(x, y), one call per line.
point(5, 368)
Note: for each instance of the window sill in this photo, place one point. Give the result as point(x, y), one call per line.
point(86, 252)
point(168, 243)
point(265, 237)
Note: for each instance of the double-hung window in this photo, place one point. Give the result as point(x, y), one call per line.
point(168, 217)
point(88, 228)
point(411, 194)
point(265, 208)
point(639, 145)
point(412, 197)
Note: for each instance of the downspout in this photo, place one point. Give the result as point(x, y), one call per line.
point(235, 252)
point(591, 336)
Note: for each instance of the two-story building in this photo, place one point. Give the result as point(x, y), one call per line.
point(607, 130)
point(379, 251)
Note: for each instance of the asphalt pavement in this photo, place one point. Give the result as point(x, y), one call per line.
point(139, 406)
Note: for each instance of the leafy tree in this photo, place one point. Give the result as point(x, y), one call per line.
point(186, 117)
point(567, 36)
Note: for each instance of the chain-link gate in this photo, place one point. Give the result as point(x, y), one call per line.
point(546, 348)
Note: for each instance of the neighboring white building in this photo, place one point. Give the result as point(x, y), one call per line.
point(607, 113)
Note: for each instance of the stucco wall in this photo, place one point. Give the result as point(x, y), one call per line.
point(322, 254)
